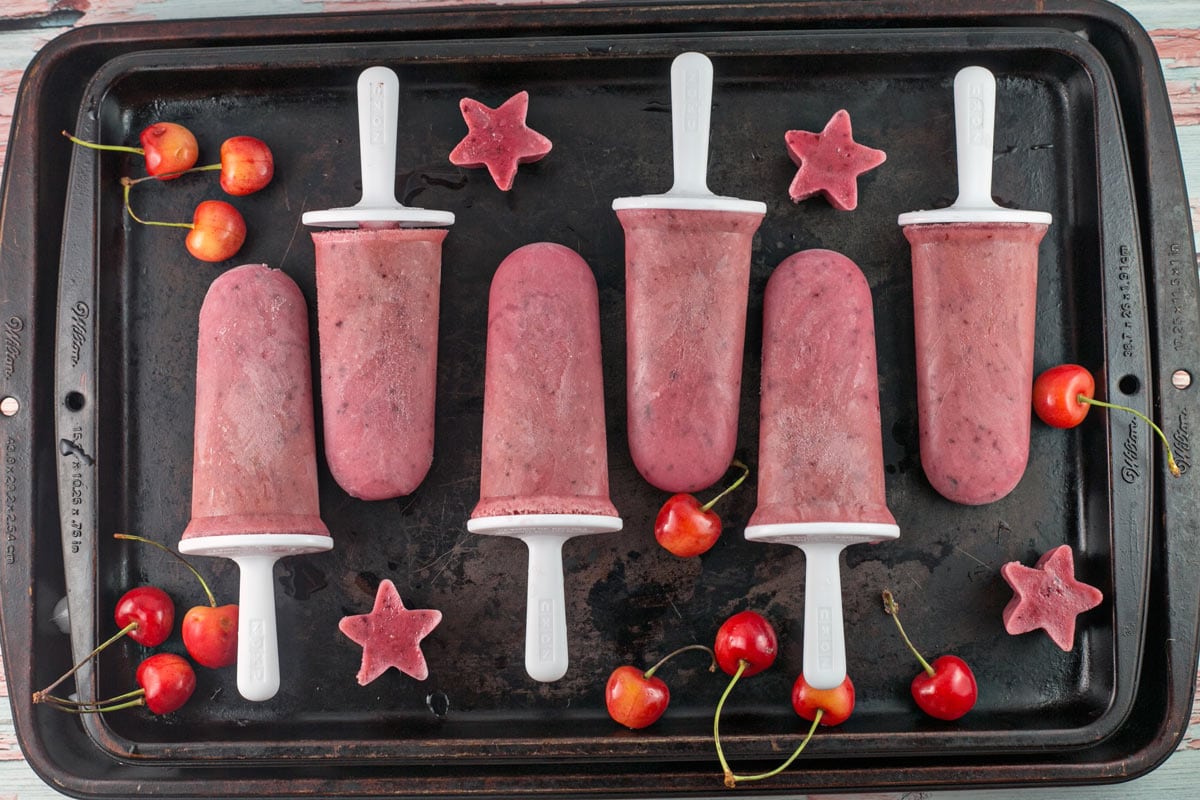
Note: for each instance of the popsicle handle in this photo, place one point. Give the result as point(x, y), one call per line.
point(258, 645)
point(545, 610)
point(974, 128)
point(691, 109)
point(378, 116)
point(824, 634)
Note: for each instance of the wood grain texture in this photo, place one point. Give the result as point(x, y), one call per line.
point(1174, 26)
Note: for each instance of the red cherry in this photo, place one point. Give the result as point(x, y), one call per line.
point(168, 681)
point(949, 692)
point(828, 706)
point(946, 688)
point(210, 635)
point(246, 165)
point(746, 636)
point(1056, 394)
point(634, 699)
point(169, 149)
point(218, 231)
point(1063, 394)
point(151, 613)
point(209, 632)
point(686, 528)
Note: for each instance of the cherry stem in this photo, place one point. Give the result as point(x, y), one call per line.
point(742, 664)
point(212, 601)
point(711, 667)
point(118, 147)
point(1171, 465)
point(42, 694)
point(731, 779)
point(127, 700)
point(127, 183)
point(168, 175)
point(892, 608)
point(745, 473)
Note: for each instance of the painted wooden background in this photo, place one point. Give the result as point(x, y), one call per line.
point(1174, 25)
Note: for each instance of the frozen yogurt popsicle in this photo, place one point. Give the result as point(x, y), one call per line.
point(974, 301)
point(687, 277)
point(378, 292)
point(820, 481)
point(254, 470)
point(544, 468)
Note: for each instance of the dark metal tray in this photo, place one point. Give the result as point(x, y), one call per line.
point(115, 307)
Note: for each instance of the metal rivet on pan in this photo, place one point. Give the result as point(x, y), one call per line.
point(9, 406)
point(1181, 379)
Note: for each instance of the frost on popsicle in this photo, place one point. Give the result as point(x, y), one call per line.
point(830, 163)
point(1048, 596)
point(390, 635)
point(499, 139)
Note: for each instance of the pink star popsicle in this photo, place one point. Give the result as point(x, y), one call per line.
point(1048, 596)
point(830, 163)
point(390, 636)
point(499, 139)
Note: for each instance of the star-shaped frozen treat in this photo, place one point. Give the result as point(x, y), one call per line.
point(1048, 596)
point(830, 163)
point(499, 139)
point(390, 636)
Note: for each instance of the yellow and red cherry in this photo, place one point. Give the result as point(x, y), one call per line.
point(246, 165)
point(169, 149)
point(686, 528)
point(217, 229)
point(823, 706)
point(636, 698)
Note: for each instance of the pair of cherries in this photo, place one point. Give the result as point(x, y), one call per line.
point(217, 229)
point(166, 681)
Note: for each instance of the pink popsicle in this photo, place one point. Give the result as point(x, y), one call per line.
point(254, 469)
point(975, 297)
point(544, 447)
point(377, 313)
point(820, 447)
point(975, 268)
point(687, 277)
point(821, 476)
point(544, 469)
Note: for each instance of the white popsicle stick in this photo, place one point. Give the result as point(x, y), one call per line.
point(546, 652)
point(378, 117)
point(974, 132)
point(691, 113)
point(824, 631)
point(255, 555)
point(258, 642)
point(824, 628)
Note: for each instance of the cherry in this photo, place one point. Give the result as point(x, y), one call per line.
point(746, 644)
point(637, 699)
point(217, 228)
point(169, 149)
point(1063, 394)
point(166, 682)
point(945, 689)
point(686, 528)
point(146, 614)
point(246, 165)
point(823, 706)
point(209, 632)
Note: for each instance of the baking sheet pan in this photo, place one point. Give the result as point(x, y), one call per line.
point(629, 601)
